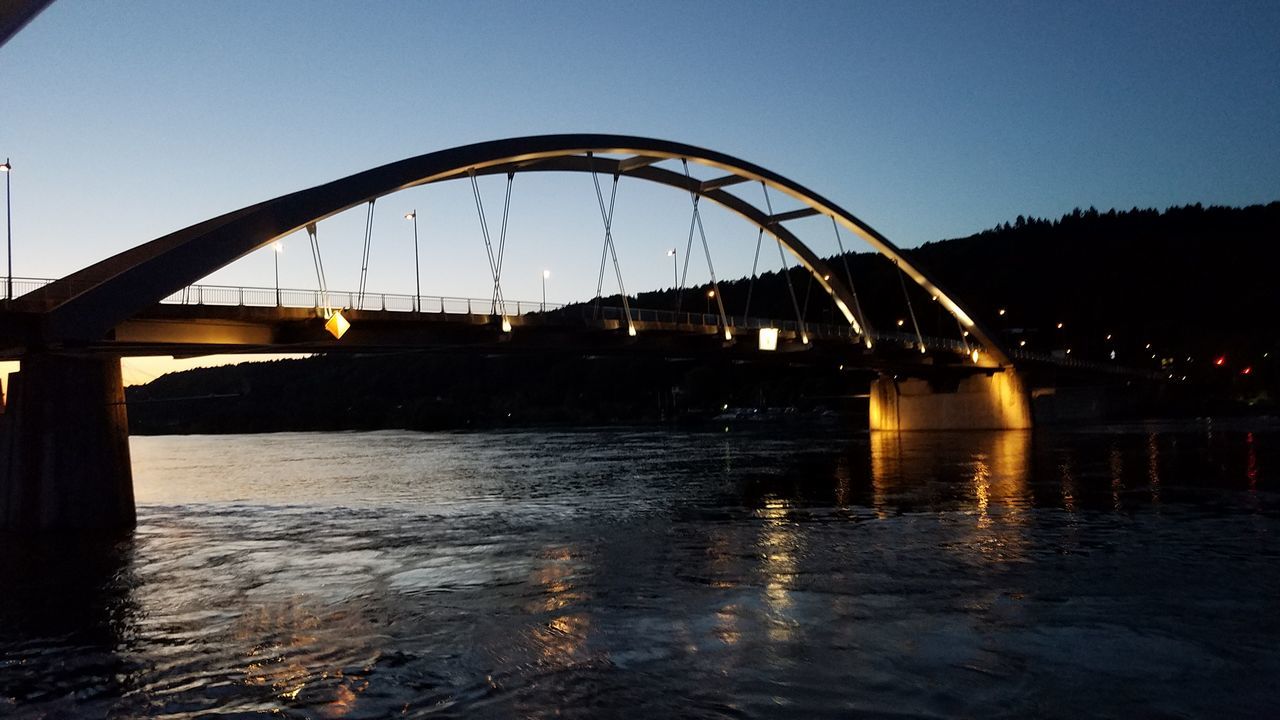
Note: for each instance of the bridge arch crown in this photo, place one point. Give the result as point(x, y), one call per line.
point(86, 305)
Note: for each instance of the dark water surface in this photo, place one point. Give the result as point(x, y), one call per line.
point(769, 572)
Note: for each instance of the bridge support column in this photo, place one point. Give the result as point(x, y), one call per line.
point(980, 402)
point(64, 447)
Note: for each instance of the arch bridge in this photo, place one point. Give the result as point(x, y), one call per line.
point(70, 333)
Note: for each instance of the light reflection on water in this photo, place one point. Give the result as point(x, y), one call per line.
point(802, 573)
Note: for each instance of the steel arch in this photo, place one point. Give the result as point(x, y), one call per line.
point(85, 306)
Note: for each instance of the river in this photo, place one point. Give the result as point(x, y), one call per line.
point(742, 572)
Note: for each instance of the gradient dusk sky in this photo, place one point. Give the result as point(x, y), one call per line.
point(127, 120)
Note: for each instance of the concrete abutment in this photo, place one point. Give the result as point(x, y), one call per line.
point(64, 447)
point(998, 401)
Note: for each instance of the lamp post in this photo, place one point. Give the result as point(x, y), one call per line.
point(675, 275)
point(710, 294)
point(276, 256)
point(417, 278)
point(7, 169)
point(545, 274)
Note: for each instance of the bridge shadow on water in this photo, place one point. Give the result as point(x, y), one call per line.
point(66, 619)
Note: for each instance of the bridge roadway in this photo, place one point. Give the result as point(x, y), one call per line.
point(218, 319)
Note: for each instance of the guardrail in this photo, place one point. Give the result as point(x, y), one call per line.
point(21, 286)
point(232, 295)
point(391, 302)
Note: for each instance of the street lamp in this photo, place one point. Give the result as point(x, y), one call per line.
point(417, 278)
point(710, 294)
point(7, 169)
point(279, 249)
point(675, 277)
point(545, 274)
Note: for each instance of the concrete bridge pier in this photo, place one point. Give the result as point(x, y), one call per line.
point(64, 447)
point(999, 401)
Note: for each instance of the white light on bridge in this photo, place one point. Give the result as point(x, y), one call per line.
point(337, 325)
point(631, 330)
point(728, 334)
point(768, 338)
point(506, 324)
point(975, 355)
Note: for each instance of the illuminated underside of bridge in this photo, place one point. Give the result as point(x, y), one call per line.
point(65, 437)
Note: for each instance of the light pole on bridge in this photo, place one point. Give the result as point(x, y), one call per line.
point(675, 273)
point(417, 278)
point(7, 169)
point(278, 248)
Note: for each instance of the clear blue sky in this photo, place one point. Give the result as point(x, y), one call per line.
point(127, 120)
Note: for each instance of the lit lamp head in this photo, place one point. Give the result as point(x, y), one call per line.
point(337, 325)
point(768, 339)
point(728, 334)
point(631, 330)
point(6, 166)
point(671, 252)
point(506, 324)
point(546, 274)
point(277, 247)
point(411, 215)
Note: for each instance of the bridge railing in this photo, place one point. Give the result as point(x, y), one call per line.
point(736, 323)
point(229, 295)
point(21, 286)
